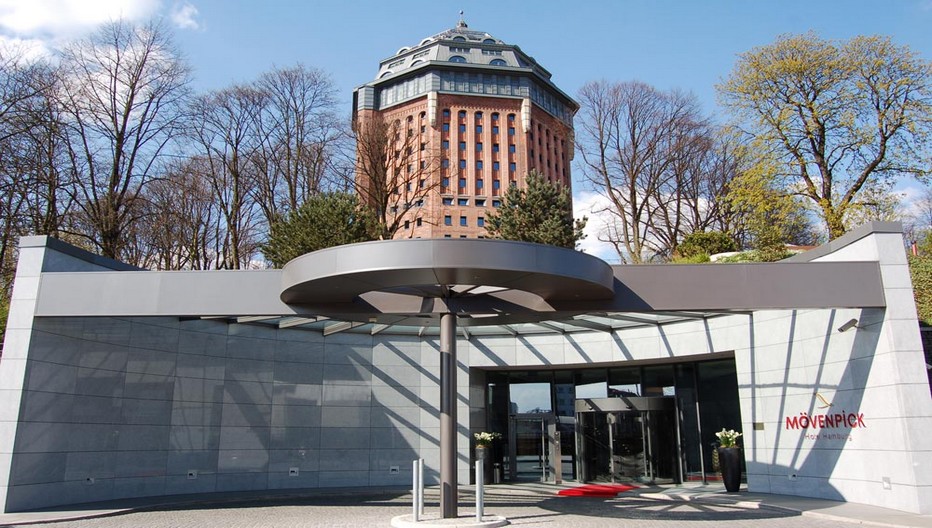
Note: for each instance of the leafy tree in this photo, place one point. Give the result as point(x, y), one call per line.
point(768, 217)
point(540, 213)
point(839, 118)
point(325, 220)
point(706, 243)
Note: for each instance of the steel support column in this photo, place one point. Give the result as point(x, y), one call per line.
point(448, 484)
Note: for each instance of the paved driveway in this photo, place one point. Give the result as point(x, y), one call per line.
point(365, 510)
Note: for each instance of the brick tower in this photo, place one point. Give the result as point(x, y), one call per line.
point(461, 116)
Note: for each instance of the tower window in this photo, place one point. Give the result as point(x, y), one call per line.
point(447, 220)
point(463, 221)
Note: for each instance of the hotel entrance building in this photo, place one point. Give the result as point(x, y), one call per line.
point(123, 383)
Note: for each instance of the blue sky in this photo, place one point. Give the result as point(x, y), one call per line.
point(690, 45)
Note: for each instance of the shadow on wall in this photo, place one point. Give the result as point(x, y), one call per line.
point(823, 428)
point(122, 408)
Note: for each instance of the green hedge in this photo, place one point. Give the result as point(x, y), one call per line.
point(920, 269)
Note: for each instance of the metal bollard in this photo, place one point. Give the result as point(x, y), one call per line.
point(420, 491)
point(480, 490)
point(416, 486)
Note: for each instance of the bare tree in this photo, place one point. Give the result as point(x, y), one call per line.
point(181, 219)
point(395, 171)
point(33, 155)
point(124, 90)
point(644, 149)
point(302, 129)
point(228, 130)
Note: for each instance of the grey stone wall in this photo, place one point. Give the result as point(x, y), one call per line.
point(132, 407)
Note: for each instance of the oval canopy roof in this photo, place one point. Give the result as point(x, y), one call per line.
point(473, 277)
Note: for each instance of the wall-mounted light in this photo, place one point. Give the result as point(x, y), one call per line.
point(852, 323)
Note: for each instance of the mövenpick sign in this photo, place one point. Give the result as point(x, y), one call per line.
point(824, 422)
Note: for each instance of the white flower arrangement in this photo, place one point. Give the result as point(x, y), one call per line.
point(485, 439)
point(728, 438)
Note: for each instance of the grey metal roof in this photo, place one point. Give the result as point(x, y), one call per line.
point(404, 286)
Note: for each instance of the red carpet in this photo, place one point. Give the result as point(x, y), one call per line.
point(596, 490)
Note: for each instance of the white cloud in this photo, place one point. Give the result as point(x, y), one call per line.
point(50, 17)
point(47, 23)
point(184, 16)
point(593, 205)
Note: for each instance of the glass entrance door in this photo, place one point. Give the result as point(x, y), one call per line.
point(529, 447)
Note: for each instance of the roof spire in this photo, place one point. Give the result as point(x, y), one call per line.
point(462, 22)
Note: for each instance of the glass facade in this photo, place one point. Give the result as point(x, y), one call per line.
point(643, 423)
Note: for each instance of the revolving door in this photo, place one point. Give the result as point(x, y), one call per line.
point(628, 439)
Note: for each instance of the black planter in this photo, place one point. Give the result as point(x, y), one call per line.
point(729, 462)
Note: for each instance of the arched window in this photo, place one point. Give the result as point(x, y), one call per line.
point(457, 58)
point(498, 62)
point(488, 41)
point(459, 39)
point(386, 74)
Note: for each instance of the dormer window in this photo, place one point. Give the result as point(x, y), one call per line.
point(459, 38)
point(498, 62)
point(458, 50)
point(489, 41)
point(457, 58)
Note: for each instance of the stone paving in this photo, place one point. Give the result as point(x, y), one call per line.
point(525, 510)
